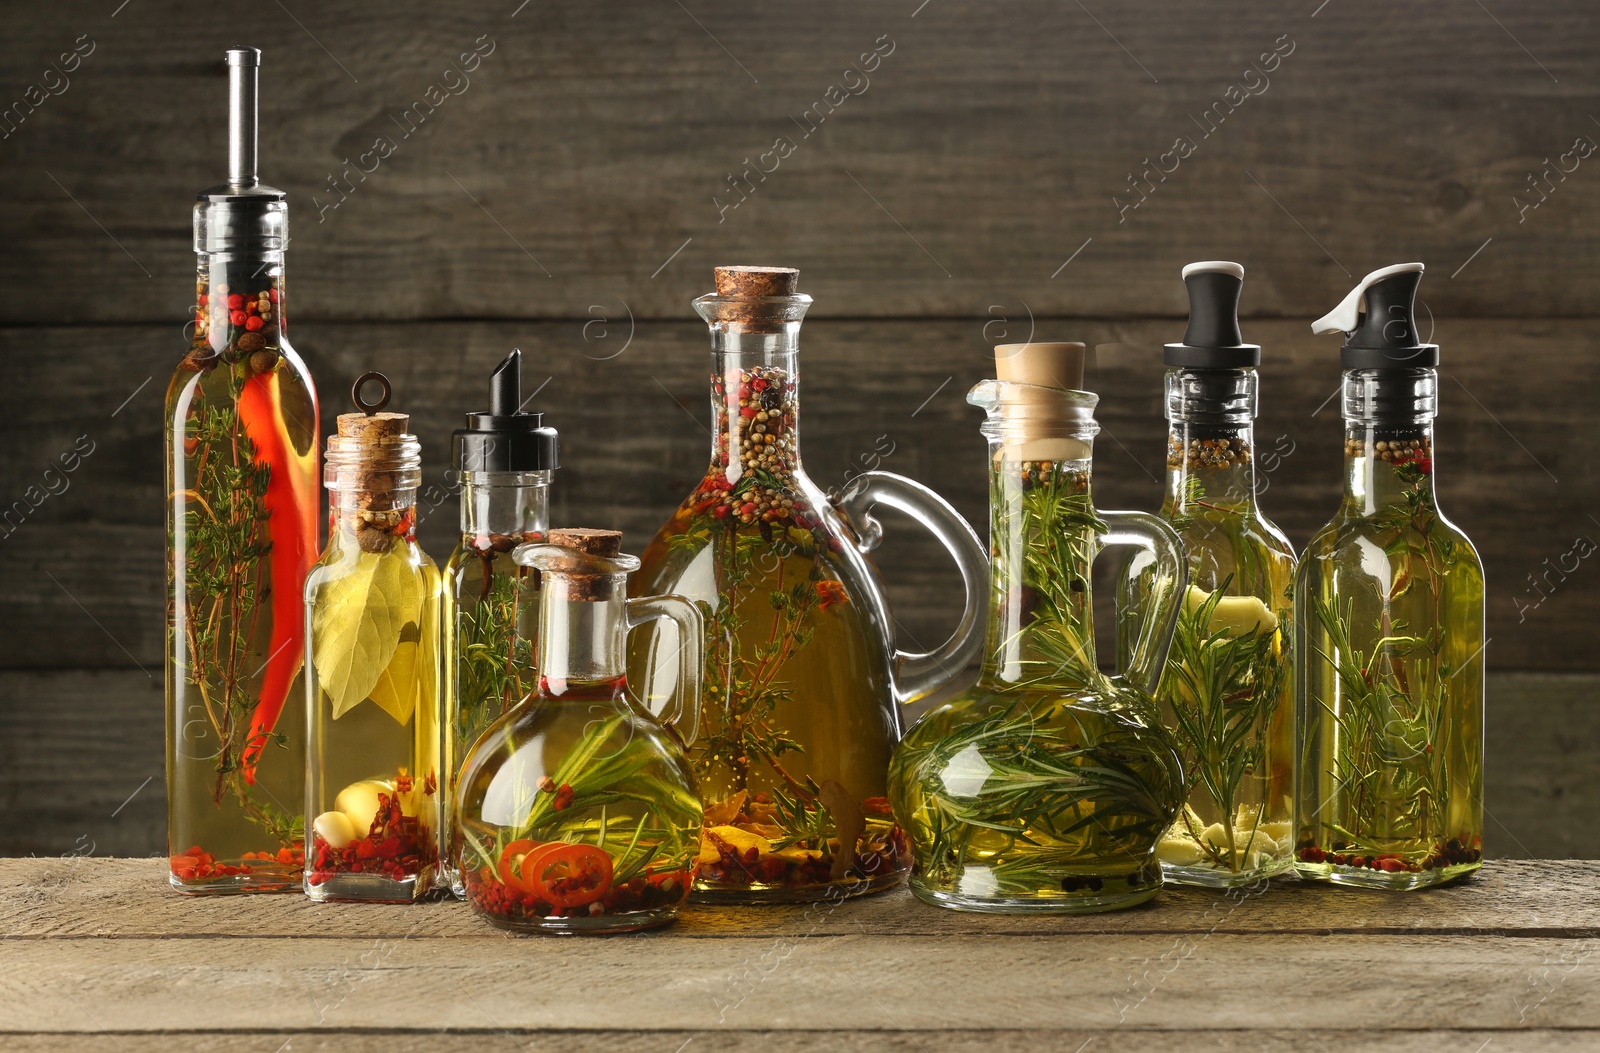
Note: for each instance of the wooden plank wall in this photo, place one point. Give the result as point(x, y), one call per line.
point(949, 176)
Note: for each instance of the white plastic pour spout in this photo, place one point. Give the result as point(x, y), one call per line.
point(1346, 318)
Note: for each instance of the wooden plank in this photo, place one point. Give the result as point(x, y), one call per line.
point(1515, 464)
point(81, 898)
point(970, 166)
point(1395, 1038)
point(80, 764)
point(668, 981)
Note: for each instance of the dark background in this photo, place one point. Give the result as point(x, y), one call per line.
point(966, 191)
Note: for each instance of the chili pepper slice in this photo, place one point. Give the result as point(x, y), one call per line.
point(511, 861)
point(568, 875)
point(291, 503)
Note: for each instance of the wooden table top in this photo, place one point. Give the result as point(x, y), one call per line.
point(100, 955)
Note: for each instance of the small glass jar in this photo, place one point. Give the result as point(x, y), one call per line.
point(372, 609)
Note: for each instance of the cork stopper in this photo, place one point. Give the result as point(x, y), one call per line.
point(746, 283)
point(372, 469)
point(1040, 419)
point(1051, 365)
point(588, 541)
point(586, 573)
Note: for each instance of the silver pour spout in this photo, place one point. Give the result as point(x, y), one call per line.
point(244, 65)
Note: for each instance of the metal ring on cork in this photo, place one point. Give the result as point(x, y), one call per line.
point(355, 392)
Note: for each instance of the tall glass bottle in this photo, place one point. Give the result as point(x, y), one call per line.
point(1389, 623)
point(577, 810)
point(1227, 693)
point(1045, 787)
point(372, 621)
point(241, 474)
point(504, 458)
point(803, 680)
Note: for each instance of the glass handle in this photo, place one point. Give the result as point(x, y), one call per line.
point(918, 674)
point(1144, 652)
point(682, 711)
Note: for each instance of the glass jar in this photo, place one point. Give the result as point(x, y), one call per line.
point(1227, 694)
point(1389, 604)
point(577, 810)
point(372, 619)
point(803, 681)
point(1045, 787)
point(242, 503)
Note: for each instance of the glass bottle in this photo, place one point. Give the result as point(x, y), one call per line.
point(803, 680)
point(504, 459)
point(1389, 623)
point(1045, 787)
point(372, 619)
point(577, 810)
point(1227, 694)
point(241, 475)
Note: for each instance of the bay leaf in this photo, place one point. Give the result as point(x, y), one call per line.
point(398, 686)
point(357, 622)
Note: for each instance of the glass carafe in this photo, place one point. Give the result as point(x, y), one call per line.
point(803, 679)
point(577, 810)
point(1045, 787)
point(1228, 693)
point(1389, 612)
point(242, 502)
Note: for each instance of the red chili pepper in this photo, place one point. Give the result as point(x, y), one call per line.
point(568, 875)
point(511, 861)
point(291, 502)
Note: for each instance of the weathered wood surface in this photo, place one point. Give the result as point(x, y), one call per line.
point(80, 764)
point(97, 950)
point(961, 169)
point(1516, 468)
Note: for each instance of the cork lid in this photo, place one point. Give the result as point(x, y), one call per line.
point(373, 458)
point(373, 429)
point(747, 283)
point(588, 541)
point(1050, 365)
point(580, 564)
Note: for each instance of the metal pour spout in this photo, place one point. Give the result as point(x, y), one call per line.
point(244, 65)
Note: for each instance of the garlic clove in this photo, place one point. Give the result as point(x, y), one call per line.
point(1238, 615)
point(335, 828)
point(359, 801)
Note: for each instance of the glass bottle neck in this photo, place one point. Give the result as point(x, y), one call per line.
point(755, 389)
point(1210, 468)
point(1386, 465)
point(369, 521)
point(505, 504)
point(1042, 531)
point(582, 635)
point(239, 304)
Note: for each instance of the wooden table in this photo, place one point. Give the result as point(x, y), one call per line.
point(100, 955)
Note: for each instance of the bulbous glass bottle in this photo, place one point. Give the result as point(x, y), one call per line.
point(577, 811)
point(803, 681)
point(1045, 787)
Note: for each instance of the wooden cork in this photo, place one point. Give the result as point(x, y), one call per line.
point(747, 283)
point(373, 429)
point(1037, 417)
point(577, 574)
point(1051, 365)
point(589, 542)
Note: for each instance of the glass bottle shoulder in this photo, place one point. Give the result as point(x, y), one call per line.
point(1244, 548)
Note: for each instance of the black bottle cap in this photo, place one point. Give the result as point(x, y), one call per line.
point(1212, 340)
point(505, 439)
point(1384, 335)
